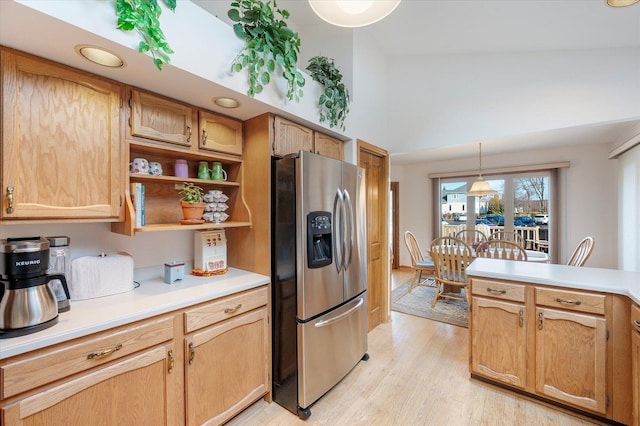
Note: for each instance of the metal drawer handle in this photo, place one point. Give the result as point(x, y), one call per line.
point(192, 353)
point(171, 361)
point(568, 301)
point(204, 136)
point(9, 199)
point(232, 310)
point(493, 290)
point(636, 323)
point(188, 133)
point(105, 352)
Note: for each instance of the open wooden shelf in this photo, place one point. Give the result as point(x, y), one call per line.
point(180, 227)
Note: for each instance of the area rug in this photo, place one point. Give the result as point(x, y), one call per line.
point(418, 303)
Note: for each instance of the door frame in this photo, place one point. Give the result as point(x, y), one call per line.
point(363, 146)
point(395, 232)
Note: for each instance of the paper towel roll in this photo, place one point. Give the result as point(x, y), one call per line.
point(97, 276)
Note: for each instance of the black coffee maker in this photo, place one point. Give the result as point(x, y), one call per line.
point(27, 303)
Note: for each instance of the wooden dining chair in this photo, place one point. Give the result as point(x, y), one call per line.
point(501, 249)
point(508, 236)
point(471, 236)
point(582, 252)
point(423, 268)
point(451, 256)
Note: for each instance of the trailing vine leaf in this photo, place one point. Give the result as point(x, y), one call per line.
point(143, 17)
point(334, 100)
point(269, 43)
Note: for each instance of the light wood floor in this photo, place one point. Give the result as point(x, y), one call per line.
point(417, 374)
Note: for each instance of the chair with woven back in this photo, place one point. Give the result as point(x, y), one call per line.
point(508, 236)
point(422, 268)
point(451, 256)
point(471, 236)
point(582, 252)
point(501, 249)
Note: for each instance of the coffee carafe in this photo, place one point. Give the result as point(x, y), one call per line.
point(27, 303)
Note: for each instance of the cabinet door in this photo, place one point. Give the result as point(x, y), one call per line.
point(635, 360)
point(62, 150)
point(290, 137)
point(218, 133)
point(327, 146)
point(227, 368)
point(498, 341)
point(133, 391)
point(571, 353)
point(160, 119)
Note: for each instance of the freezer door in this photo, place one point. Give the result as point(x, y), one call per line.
point(329, 347)
point(355, 274)
point(318, 187)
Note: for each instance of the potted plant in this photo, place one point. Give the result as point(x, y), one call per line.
point(334, 100)
point(192, 203)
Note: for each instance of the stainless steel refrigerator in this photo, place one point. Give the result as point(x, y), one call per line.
point(319, 276)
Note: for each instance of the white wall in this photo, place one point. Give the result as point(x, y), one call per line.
point(588, 197)
point(456, 99)
point(629, 210)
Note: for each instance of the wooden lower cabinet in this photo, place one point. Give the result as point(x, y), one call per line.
point(134, 390)
point(200, 365)
point(227, 368)
point(549, 342)
point(635, 362)
point(571, 360)
point(499, 324)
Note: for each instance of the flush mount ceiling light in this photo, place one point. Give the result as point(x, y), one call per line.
point(353, 13)
point(226, 102)
point(100, 56)
point(621, 3)
point(480, 187)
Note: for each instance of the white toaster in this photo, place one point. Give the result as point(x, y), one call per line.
point(103, 275)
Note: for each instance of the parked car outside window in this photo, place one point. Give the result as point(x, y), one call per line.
point(541, 219)
point(523, 221)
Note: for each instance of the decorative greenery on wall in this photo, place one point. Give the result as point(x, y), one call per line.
point(269, 42)
point(143, 16)
point(334, 100)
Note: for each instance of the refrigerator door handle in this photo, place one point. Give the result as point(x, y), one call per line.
point(338, 244)
point(350, 230)
point(339, 317)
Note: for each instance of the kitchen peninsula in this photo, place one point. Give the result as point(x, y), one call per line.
point(558, 333)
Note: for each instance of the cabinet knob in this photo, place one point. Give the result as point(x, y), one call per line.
point(636, 323)
point(9, 199)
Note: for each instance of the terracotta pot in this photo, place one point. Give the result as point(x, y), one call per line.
point(192, 210)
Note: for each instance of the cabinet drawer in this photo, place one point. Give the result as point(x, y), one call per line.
point(498, 289)
point(571, 300)
point(635, 317)
point(225, 308)
point(38, 368)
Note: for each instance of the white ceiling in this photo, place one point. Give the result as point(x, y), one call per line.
point(440, 27)
point(423, 27)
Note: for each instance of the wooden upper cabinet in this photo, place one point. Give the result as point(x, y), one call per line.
point(328, 146)
point(290, 137)
point(62, 147)
point(219, 133)
point(157, 118)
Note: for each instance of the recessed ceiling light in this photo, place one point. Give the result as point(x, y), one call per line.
point(100, 56)
point(226, 102)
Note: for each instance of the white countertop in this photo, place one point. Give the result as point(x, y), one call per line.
point(153, 297)
point(596, 279)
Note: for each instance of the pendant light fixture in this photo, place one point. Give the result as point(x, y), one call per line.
point(480, 187)
point(621, 3)
point(353, 13)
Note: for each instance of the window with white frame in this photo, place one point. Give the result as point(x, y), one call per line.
point(523, 203)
